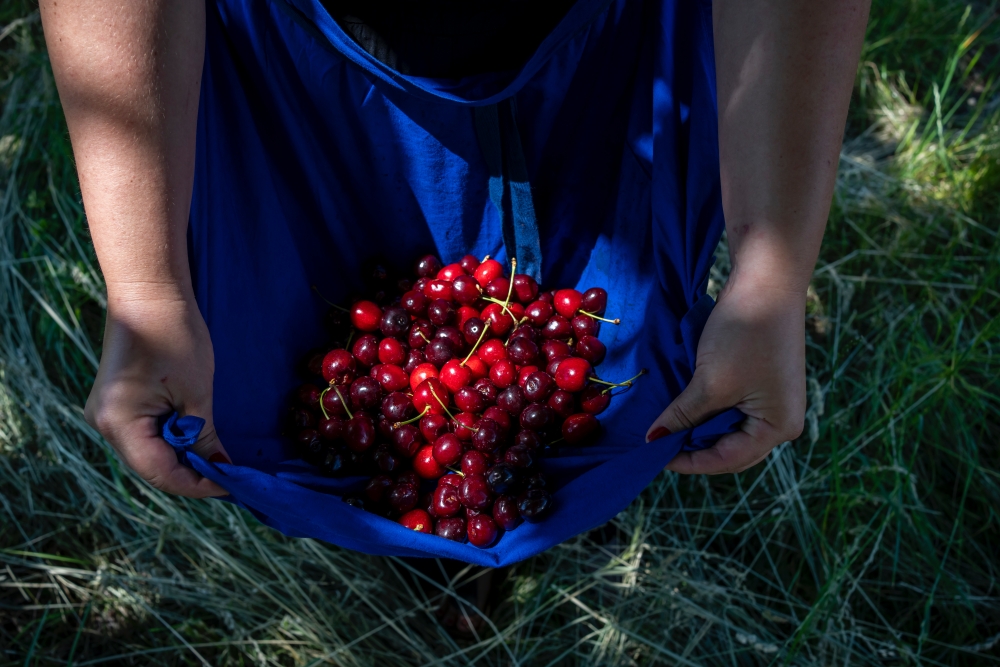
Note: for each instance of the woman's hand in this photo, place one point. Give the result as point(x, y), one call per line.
point(752, 356)
point(157, 358)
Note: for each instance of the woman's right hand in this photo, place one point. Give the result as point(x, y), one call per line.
point(157, 358)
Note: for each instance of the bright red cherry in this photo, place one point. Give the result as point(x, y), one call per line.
point(418, 520)
point(506, 513)
point(488, 271)
point(425, 465)
point(504, 373)
point(595, 300)
point(501, 321)
point(448, 449)
point(567, 302)
point(391, 351)
point(523, 373)
point(492, 351)
point(339, 367)
point(573, 374)
point(470, 263)
point(450, 272)
point(580, 429)
point(517, 310)
point(391, 377)
point(482, 531)
point(464, 426)
point(445, 502)
point(594, 400)
point(539, 312)
point(427, 266)
point(464, 314)
point(421, 373)
point(454, 375)
point(366, 316)
point(432, 396)
point(477, 367)
point(439, 289)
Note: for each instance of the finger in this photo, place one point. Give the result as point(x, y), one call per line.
point(734, 452)
point(691, 407)
point(209, 447)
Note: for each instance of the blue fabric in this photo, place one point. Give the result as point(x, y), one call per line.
point(312, 156)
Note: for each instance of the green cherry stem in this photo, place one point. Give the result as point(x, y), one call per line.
point(341, 396)
point(626, 383)
point(502, 305)
point(427, 409)
point(321, 408)
point(329, 303)
point(510, 285)
point(447, 411)
point(486, 327)
point(601, 319)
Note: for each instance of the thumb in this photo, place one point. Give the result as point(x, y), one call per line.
point(691, 407)
point(209, 447)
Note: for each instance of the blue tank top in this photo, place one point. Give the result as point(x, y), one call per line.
point(312, 156)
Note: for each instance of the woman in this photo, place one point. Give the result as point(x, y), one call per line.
point(325, 130)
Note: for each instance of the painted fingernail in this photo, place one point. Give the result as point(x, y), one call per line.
point(218, 457)
point(657, 433)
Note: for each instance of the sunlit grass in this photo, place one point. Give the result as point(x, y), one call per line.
point(872, 540)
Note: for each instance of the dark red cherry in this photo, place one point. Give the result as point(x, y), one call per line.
point(406, 440)
point(314, 363)
point(425, 465)
point(448, 449)
point(573, 373)
point(421, 284)
point(391, 351)
point(451, 479)
point(433, 426)
point(383, 427)
point(525, 331)
point(525, 288)
point(482, 531)
point(562, 402)
point(553, 366)
point(594, 300)
point(556, 348)
point(470, 263)
point(408, 477)
point(488, 390)
point(439, 352)
point(365, 350)
point(466, 290)
point(366, 316)
point(366, 393)
point(505, 513)
point(472, 330)
point(534, 504)
point(557, 327)
point(464, 314)
point(414, 302)
point(473, 463)
point(390, 377)
point(519, 457)
point(511, 400)
point(300, 418)
point(580, 429)
point(403, 497)
point(538, 387)
point(360, 432)
point(427, 266)
point(499, 416)
point(332, 428)
point(546, 297)
point(308, 396)
point(386, 461)
point(440, 313)
point(591, 349)
point(418, 520)
point(584, 326)
point(474, 492)
point(414, 359)
point(537, 417)
point(453, 336)
point(464, 426)
point(332, 402)
point(445, 502)
point(488, 271)
point(567, 302)
point(539, 312)
point(497, 288)
point(504, 373)
point(468, 399)
point(452, 528)
point(522, 351)
point(487, 436)
point(501, 478)
point(528, 439)
point(594, 400)
point(523, 373)
point(377, 487)
point(339, 367)
point(309, 441)
point(421, 333)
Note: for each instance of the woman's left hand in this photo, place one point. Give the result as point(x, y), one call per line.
point(752, 356)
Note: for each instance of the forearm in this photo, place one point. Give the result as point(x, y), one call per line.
point(785, 73)
point(129, 74)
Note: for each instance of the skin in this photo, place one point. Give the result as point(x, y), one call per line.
point(128, 75)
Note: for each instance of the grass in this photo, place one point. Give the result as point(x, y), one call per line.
point(872, 540)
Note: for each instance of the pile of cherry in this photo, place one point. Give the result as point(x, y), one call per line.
point(448, 390)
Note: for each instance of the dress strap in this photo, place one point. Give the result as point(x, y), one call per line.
point(510, 191)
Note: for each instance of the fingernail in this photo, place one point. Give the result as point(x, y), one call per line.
point(657, 433)
point(218, 457)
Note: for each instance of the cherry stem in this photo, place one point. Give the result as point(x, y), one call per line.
point(502, 305)
point(350, 337)
point(485, 258)
point(459, 472)
point(510, 286)
point(556, 441)
point(486, 327)
point(341, 397)
point(329, 303)
point(601, 319)
point(447, 411)
point(626, 383)
point(427, 409)
point(426, 339)
point(321, 407)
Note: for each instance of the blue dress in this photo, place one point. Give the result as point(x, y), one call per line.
point(313, 156)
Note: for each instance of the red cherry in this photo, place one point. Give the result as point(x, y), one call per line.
point(308, 395)
point(366, 316)
point(476, 366)
point(425, 465)
point(464, 314)
point(454, 375)
point(360, 433)
point(523, 351)
point(414, 302)
point(499, 416)
point(594, 400)
point(332, 428)
point(556, 348)
point(591, 349)
point(464, 425)
point(517, 310)
point(450, 272)
point(377, 487)
point(427, 266)
point(421, 373)
point(418, 520)
point(421, 333)
point(391, 377)
point(523, 373)
point(487, 436)
point(492, 351)
point(452, 528)
point(488, 390)
point(511, 400)
point(339, 367)
point(563, 403)
point(403, 497)
point(445, 502)
point(468, 399)
point(498, 287)
point(525, 288)
point(580, 429)
point(333, 403)
point(441, 312)
point(406, 440)
point(451, 479)
point(470, 263)
point(473, 463)
point(432, 396)
point(567, 302)
point(466, 290)
point(391, 351)
point(539, 312)
point(558, 327)
point(573, 373)
point(538, 387)
point(482, 531)
point(553, 366)
point(439, 289)
point(501, 321)
point(448, 449)
point(475, 493)
point(504, 373)
point(584, 326)
point(595, 300)
point(506, 513)
point(488, 271)
point(433, 426)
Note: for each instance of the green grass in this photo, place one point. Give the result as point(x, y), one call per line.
point(872, 540)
